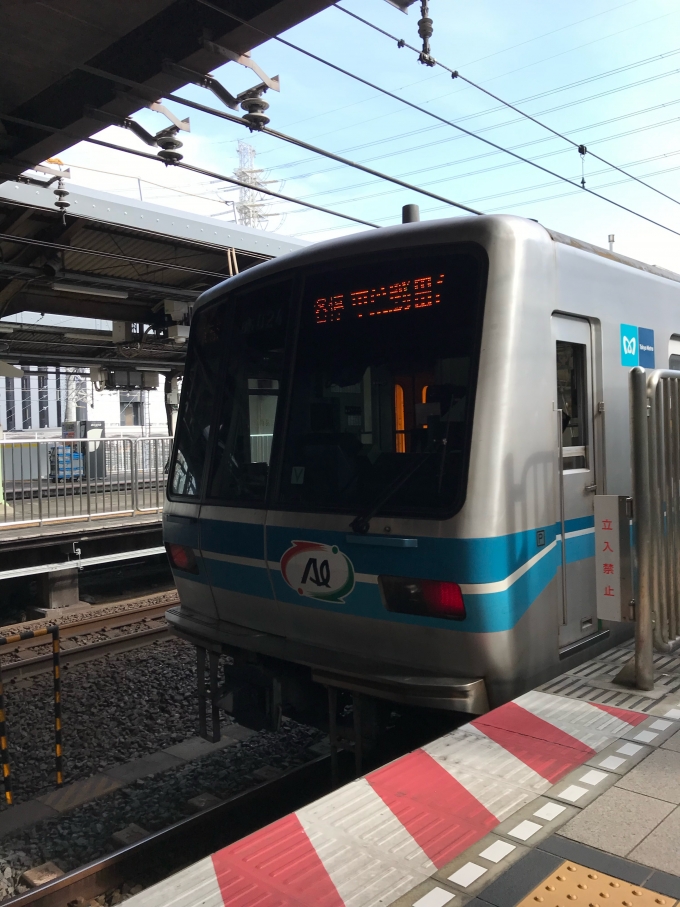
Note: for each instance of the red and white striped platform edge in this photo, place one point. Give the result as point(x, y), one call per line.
point(370, 842)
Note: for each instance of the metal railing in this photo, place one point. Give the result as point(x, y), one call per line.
point(655, 428)
point(151, 463)
point(49, 481)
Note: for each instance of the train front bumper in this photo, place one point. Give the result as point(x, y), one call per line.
point(336, 669)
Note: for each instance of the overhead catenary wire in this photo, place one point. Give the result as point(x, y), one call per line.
point(357, 165)
point(429, 113)
point(510, 192)
point(582, 148)
point(219, 176)
point(438, 166)
point(495, 167)
point(508, 207)
point(232, 118)
point(512, 71)
point(490, 128)
point(183, 166)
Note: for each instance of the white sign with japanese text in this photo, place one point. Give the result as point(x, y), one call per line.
point(612, 564)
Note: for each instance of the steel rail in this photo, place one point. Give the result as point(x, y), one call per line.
point(28, 667)
point(77, 628)
point(165, 852)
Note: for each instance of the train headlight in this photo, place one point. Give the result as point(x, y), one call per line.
point(182, 558)
point(427, 597)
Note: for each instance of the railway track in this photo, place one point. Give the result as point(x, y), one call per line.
point(122, 631)
point(164, 852)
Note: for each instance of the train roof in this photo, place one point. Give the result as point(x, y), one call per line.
point(383, 239)
point(613, 256)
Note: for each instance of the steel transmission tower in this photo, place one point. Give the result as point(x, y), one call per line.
point(251, 208)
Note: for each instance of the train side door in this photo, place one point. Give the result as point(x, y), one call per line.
point(576, 471)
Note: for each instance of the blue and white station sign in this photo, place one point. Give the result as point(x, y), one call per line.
point(637, 346)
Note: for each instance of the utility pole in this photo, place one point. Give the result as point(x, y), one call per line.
point(70, 408)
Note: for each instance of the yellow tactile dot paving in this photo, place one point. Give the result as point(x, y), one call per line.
point(573, 885)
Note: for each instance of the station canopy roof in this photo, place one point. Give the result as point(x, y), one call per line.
point(50, 48)
point(56, 62)
point(116, 260)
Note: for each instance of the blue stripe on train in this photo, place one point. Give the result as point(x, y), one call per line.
point(480, 560)
point(466, 561)
point(486, 613)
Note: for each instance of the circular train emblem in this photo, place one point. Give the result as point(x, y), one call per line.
point(318, 571)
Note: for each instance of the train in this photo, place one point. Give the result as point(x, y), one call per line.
point(386, 459)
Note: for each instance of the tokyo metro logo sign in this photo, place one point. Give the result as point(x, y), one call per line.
point(637, 346)
point(318, 571)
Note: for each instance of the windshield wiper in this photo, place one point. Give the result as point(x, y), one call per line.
point(362, 522)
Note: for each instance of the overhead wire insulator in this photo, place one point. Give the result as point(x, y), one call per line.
point(60, 203)
point(255, 116)
point(425, 30)
point(582, 150)
point(169, 146)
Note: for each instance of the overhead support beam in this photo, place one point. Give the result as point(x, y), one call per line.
point(158, 289)
point(54, 304)
point(55, 233)
point(8, 292)
point(51, 87)
point(84, 360)
point(15, 219)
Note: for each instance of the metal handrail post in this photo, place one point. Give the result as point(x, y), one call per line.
point(675, 468)
point(563, 543)
point(40, 487)
point(86, 475)
point(134, 472)
point(644, 654)
point(655, 395)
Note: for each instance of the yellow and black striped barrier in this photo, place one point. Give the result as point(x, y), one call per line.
point(56, 671)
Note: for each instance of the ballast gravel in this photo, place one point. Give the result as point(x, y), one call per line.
point(117, 709)
point(84, 834)
point(114, 709)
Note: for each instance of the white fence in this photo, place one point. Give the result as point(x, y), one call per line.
point(44, 481)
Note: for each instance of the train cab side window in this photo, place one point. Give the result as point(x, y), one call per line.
point(198, 395)
point(674, 353)
point(245, 424)
point(571, 399)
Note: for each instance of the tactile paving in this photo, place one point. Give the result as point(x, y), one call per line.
point(573, 885)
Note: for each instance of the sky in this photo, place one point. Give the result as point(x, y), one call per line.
point(606, 73)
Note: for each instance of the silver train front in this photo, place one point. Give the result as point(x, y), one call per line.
point(521, 547)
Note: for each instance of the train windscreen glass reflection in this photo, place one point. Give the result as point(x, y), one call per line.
point(381, 399)
point(244, 428)
point(193, 427)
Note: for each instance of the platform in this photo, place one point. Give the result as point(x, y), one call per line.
point(561, 796)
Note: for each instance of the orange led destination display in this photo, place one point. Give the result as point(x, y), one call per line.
point(404, 296)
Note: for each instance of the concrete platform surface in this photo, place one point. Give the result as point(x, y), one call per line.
point(569, 793)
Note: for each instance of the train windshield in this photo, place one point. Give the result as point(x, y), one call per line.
point(380, 409)
point(368, 410)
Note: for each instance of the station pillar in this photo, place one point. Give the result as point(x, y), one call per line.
point(60, 589)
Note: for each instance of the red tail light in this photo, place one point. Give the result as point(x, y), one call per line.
point(427, 597)
point(182, 558)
